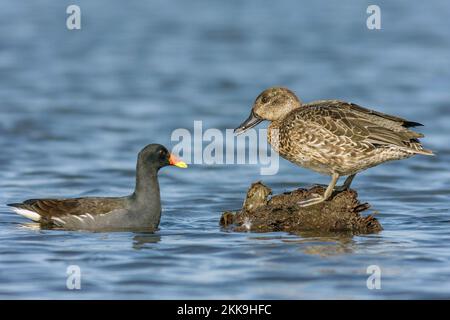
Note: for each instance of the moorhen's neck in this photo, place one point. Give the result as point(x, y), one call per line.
point(147, 186)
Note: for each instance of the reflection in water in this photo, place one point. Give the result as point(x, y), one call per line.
point(141, 239)
point(30, 226)
point(327, 243)
point(328, 246)
point(319, 243)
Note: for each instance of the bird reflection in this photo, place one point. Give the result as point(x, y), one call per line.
point(140, 240)
point(319, 243)
point(326, 243)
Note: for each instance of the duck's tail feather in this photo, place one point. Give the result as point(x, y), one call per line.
point(425, 152)
point(415, 146)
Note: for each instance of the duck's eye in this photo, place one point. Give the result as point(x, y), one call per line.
point(264, 99)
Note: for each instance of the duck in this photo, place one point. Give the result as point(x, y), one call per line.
point(140, 210)
point(332, 137)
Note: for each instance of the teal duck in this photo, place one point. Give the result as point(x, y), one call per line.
point(332, 137)
point(139, 211)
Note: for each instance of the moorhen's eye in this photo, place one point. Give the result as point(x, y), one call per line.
point(162, 153)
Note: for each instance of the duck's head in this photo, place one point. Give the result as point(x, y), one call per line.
point(272, 104)
point(157, 156)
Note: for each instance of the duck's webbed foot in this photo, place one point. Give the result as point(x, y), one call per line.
point(327, 194)
point(311, 202)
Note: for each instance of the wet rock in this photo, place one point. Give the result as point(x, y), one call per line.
point(262, 212)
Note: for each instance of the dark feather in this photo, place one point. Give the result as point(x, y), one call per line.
point(361, 124)
point(49, 208)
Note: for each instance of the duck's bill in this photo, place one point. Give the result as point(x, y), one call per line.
point(174, 161)
point(249, 123)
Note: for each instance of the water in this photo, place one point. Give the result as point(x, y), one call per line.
point(76, 107)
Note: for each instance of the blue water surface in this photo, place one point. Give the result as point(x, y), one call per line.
point(76, 107)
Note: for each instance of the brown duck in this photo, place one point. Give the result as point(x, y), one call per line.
point(332, 137)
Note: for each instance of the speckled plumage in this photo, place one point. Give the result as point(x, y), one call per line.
point(332, 137)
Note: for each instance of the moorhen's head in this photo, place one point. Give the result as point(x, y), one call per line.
point(272, 104)
point(157, 156)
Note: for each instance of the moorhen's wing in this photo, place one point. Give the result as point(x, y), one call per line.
point(47, 209)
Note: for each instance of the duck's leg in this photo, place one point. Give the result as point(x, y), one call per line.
point(326, 195)
point(346, 184)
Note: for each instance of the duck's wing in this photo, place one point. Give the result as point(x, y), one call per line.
point(49, 210)
point(363, 125)
point(384, 119)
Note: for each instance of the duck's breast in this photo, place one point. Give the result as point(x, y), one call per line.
point(309, 149)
